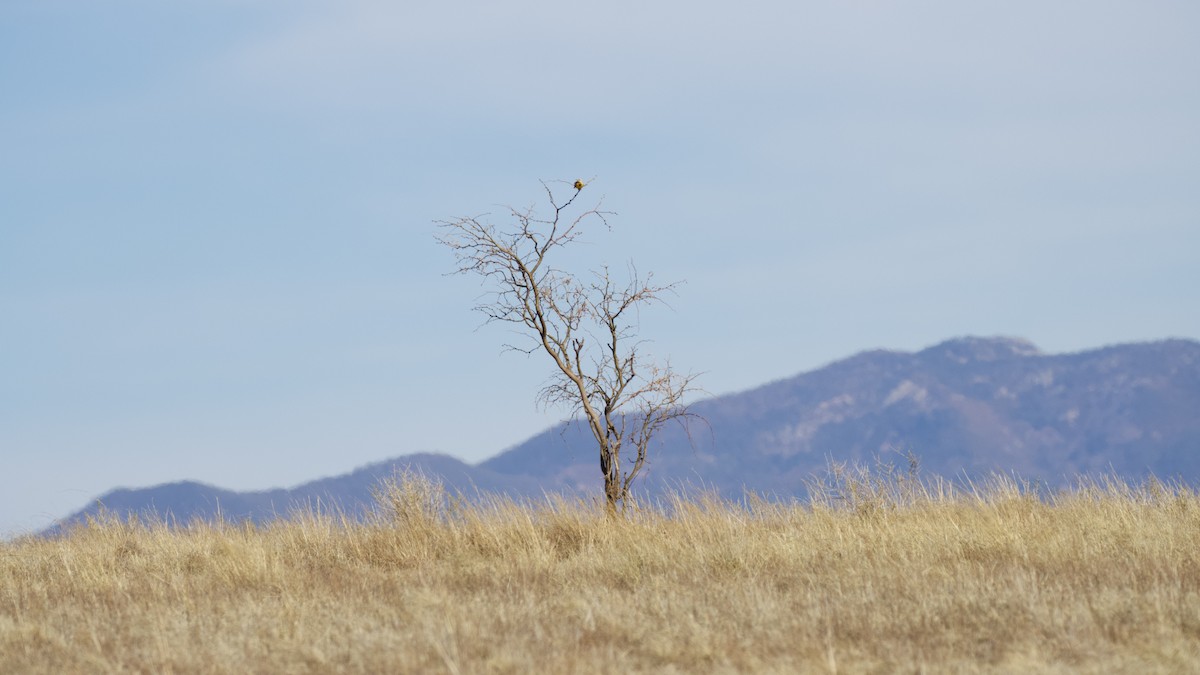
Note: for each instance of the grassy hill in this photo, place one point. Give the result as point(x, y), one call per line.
point(880, 573)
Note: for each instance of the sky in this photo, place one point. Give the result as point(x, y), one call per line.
point(217, 253)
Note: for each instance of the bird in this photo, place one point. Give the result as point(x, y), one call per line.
point(578, 185)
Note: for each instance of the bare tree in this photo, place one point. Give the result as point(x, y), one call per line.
point(586, 327)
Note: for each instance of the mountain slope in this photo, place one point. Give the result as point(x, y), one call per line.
point(966, 407)
point(185, 501)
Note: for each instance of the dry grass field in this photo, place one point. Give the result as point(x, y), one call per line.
point(882, 575)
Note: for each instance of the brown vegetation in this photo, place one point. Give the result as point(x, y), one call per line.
point(880, 575)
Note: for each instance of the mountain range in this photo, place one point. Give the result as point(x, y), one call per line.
point(966, 407)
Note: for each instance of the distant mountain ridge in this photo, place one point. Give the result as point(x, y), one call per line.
point(966, 407)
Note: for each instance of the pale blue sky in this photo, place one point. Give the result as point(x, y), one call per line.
point(216, 243)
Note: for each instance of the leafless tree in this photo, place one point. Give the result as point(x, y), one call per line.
point(586, 327)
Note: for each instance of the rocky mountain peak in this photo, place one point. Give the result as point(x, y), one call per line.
point(967, 349)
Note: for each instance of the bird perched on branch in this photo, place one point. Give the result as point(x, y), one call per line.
point(578, 185)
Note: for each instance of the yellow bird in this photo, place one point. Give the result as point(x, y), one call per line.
point(578, 185)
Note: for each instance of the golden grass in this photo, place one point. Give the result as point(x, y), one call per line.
point(880, 576)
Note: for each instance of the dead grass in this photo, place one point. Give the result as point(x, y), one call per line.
point(881, 574)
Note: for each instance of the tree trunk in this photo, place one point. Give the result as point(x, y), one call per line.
point(612, 494)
